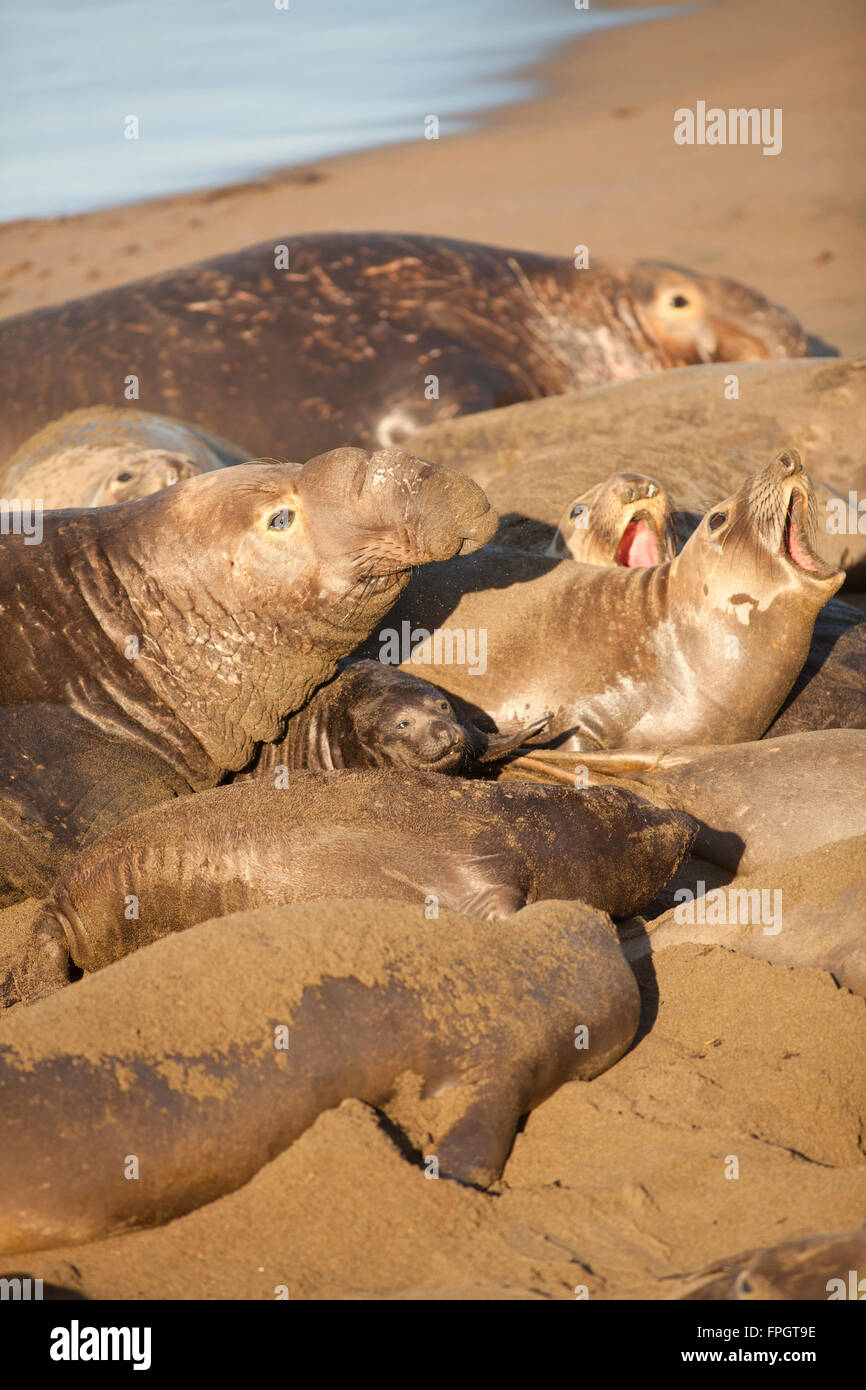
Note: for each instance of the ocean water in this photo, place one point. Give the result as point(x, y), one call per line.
point(225, 90)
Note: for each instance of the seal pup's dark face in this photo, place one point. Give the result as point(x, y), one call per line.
point(757, 548)
point(626, 520)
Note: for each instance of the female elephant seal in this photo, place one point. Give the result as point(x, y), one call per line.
point(104, 455)
point(191, 622)
point(370, 337)
point(632, 658)
point(210, 1052)
point(372, 715)
point(476, 847)
point(755, 803)
point(626, 520)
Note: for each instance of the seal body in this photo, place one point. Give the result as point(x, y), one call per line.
point(102, 455)
point(316, 339)
point(209, 1053)
point(476, 847)
point(372, 716)
point(191, 622)
point(626, 520)
point(755, 803)
point(633, 658)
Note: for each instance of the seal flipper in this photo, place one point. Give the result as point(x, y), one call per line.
point(44, 967)
point(476, 1148)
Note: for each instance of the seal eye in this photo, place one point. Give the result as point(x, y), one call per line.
point(404, 724)
point(123, 478)
point(717, 519)
point(443, 704)
point(577, 510)
point(679, 301)
point(281, 520)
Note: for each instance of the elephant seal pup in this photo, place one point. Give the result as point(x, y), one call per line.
point(805, 911)
point(638, 658)
point(475, 847)
point(104, 454)
point(755, 803)
point(371, 336)
point(191, 622)
point(209, 1053)
point(626, 520)
point(372, 715)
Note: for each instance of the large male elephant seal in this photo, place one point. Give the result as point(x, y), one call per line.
point(632, 658)
point(188, 624)
point(369, 337)
point(207, 1054)
point(372, 715)
point(626, 520)
point(755, 803)
point(102, 455)
point(482, 848)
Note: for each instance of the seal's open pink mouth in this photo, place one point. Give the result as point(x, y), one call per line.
point(639, 546)
point(796, 538)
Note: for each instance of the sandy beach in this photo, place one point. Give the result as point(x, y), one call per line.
point(619, 1185)
point(592, 163)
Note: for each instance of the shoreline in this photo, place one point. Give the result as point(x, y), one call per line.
point(591, 161)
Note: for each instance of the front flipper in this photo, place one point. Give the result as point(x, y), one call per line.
point(475, 1150)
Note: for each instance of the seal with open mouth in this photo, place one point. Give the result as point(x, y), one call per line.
point(626, 520)
point(371, 337)
point(701, 649)
point(187, 625)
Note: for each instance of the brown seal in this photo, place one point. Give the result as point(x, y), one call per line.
point(191, 622)
point(102, 455)
point(482, 848)
point(830, 691)
point(755, 803)
point(814, 1268)
point(626, 520)
point(210, 1052)
point(372, 715)
point(628, 658)
point(313, 339)
point(698, 433)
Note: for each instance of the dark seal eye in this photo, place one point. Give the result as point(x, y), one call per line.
point(717, 519)
point(679, 301)
point(404, 724)
point(124, 478)
point(443, 704)
point(578, 510)
point(281, 520)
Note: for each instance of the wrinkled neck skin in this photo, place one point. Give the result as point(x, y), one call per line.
point(208, 684)
point(588, 329)
point(321, 737)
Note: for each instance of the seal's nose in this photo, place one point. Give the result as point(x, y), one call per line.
point(788, 463)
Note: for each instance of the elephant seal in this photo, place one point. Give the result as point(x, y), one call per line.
point(480, 848)
point(632, 658)
point(104, 454)
point(813, 1268)
point(830, 691)
point(805, 911)
point(372, 715)
point(755, 803)
point(211, 1052)
point(313, 339)
point(191, 622)
point(698, 433)
point(626, 520)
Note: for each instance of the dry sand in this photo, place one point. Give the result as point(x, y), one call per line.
point(594, 162)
